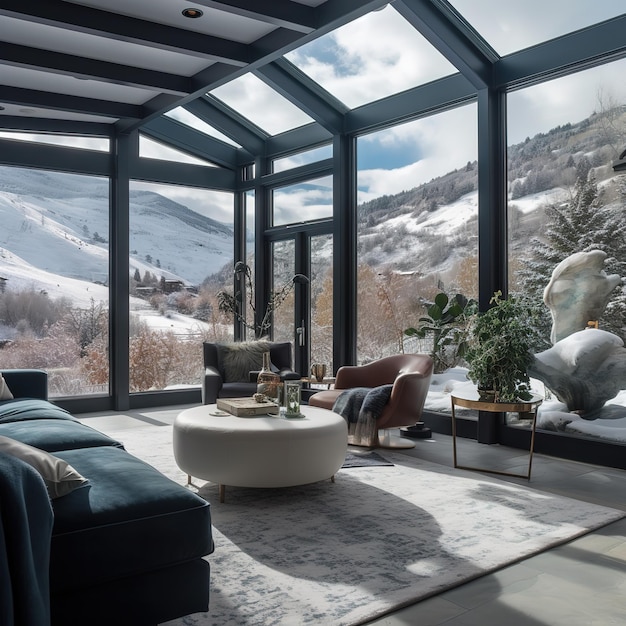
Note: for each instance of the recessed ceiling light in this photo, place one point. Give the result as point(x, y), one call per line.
point(193, 13)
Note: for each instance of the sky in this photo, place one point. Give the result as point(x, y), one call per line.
point(380, 54)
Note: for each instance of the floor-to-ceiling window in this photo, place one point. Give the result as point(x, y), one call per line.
point(565, 198)
point(54, 277)
point(417, 225)
point(181, 255)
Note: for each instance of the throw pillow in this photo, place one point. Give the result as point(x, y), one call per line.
point(237, 359)
point(5, 392)
point(60, 477)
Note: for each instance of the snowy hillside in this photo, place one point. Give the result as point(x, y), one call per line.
point(59, 223)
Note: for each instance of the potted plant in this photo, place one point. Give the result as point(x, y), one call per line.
point(499, 351)
point(447, 322)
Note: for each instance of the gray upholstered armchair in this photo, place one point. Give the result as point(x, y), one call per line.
point(231, 369)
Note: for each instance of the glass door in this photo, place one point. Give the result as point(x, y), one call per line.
point(305, 315)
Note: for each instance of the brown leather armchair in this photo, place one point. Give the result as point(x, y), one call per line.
point(410, 375)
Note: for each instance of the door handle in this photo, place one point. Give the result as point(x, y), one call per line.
point(300, 331)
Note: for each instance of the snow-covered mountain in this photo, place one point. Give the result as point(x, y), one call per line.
point(58, 223)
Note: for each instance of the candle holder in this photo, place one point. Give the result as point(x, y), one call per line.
point(318, 370)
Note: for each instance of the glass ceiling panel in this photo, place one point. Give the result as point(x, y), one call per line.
point(373, 57)
point(100, 144)
point(151, 149)
point(189, 119)
point(303, 158)
point(511, 26)
point(258, 102)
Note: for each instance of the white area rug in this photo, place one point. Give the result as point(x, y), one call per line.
point(377, 539)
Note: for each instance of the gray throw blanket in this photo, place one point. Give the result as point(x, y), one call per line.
point(361, 407)
point(362, 403)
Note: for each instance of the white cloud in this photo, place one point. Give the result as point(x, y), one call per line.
point(300, 203)
point(217, 205)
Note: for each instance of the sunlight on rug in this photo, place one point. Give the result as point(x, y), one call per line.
point(377, 539)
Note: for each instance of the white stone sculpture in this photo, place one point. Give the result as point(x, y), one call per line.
point(583, 370)
point(578, 292)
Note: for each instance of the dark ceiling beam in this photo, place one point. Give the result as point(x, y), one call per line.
point(297, 140)
point(229, 122)
point(54, 126)
point(299, 174)
point(280, 13)
point(181, 137)
point(84, 19)
point(584, 48)
point(77, 104)
point(80, 67)
point(439, 95)
point(163, 102)
point(304, 93)
point(452, 37)
point(169, 172)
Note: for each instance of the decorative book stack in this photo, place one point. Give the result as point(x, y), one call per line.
point(242, 407)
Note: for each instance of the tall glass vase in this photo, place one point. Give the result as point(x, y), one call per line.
point(268, 382)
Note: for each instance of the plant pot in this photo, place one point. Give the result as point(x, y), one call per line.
point(487, 394)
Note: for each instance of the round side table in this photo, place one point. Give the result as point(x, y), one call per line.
point(471, 400)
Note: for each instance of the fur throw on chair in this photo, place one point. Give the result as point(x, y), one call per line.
point(236, 360)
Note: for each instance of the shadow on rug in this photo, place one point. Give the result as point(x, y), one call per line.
point(377, 539)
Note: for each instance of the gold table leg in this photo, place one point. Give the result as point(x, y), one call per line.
point(492, 471)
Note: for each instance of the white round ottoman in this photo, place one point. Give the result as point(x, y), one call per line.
point(260, 451)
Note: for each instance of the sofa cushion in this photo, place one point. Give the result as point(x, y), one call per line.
point(130, 519)
point(60, 477)
point(48, 427)
point(5, 392)
point(53, 435)
point(31, 408)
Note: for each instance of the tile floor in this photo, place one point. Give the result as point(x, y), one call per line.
point(581, 583)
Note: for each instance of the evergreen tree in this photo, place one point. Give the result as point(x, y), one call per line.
point(580, 225)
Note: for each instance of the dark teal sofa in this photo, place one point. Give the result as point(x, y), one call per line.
point(126, 549)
